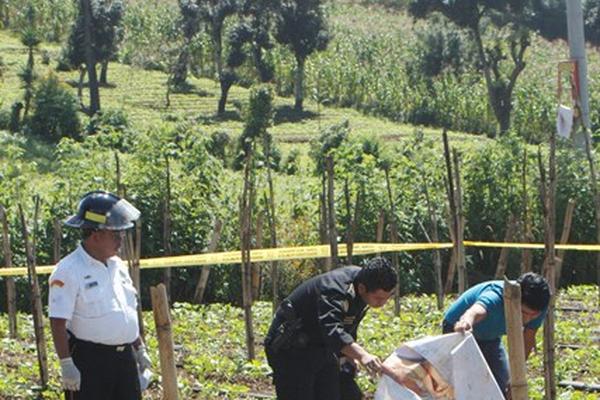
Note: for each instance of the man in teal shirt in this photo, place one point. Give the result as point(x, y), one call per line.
point(480, 310)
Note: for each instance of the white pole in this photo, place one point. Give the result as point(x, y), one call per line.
point(577, 53)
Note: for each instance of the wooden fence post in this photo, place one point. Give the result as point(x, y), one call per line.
point(162, 320)
point(11, 291)
point(36, 300)
point(393, 238)
point(380, 228)
point(527, 236)
point(437, 257)
point(516, 345)
point(205, 272)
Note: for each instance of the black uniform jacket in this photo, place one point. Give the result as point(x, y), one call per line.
point(330, 308)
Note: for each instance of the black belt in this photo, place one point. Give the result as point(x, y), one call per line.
point(100, 346)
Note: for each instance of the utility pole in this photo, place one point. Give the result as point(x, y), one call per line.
point(577, 54)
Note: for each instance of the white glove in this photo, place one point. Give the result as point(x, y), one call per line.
point(142, 358)
point(71, 377)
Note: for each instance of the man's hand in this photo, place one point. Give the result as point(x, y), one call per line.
point(463, 326)
point(142, 358)
point(71, 377)
point(371, 363)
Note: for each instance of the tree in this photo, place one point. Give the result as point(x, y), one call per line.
point(98, 44)
point(189, 25)
point(30, 38)
point(301, 26)
point(501, 59)
point(260, 15)
point(214, 13)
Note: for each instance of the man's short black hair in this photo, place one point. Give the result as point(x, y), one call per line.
point(535, 291)
point(378, 273)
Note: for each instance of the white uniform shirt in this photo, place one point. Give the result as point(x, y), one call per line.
point(98, 301)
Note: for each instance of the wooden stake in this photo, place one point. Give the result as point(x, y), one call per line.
point(212, 247)
point(460, 228)
point(527, 236)
point(11, 291)
point(246, 238)
point(256, 269)
point(547, 194)
point(380, 227)
point(394, 239)
point(323, 220)
point(564, 238)
point(511, 228)
point(437, 257)
point(162, 320)
point(57, 228)
point(36, 300)
point(331, 212)
point(167, 272)
point(516, 345)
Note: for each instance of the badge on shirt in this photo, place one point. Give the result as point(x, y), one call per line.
point(90, 285)
point(57, 283)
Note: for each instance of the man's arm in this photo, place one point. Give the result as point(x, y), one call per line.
point(472, 316)
point(529, 340)
point(58, 326)
point(358, 353)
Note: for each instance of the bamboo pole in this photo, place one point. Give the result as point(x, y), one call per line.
point(331, 213)
point(564, 238)
point(272, 221)
point(162, 320)
point(204, 274)
point(36, 300)
point(511, 228)
point(516, 345)
point(11, 291)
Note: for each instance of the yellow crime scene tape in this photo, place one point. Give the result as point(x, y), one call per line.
point(305, 252)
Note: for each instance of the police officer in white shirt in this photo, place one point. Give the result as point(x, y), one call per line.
point(93, 306)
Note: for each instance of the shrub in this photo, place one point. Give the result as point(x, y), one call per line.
point(55, 114)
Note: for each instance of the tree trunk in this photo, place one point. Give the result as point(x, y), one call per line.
point(299, 84)
point(104, 73)
point(255, 282)
point(90, 58)
point(225, 86)
point(11, 291)
point(180, 69)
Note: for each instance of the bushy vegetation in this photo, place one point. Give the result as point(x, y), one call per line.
point(211, 361)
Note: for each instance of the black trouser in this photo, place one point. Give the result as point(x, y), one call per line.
point(107, 372)
point(311, 373)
